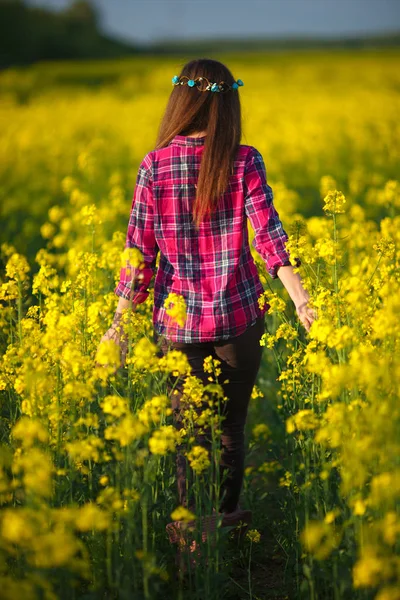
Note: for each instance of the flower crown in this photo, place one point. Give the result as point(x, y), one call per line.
point(203, 84)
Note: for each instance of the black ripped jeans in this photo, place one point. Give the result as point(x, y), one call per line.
point(240, 361)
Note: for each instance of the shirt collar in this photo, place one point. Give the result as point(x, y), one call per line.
point(185, 140)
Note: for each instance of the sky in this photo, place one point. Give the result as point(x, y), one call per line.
point(148, 21)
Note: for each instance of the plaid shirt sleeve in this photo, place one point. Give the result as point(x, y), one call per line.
point(269, 235)
point(134, 281)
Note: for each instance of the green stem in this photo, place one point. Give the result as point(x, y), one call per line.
point(335, 272)
point(374, 271)
point(249, 572)
point(144, 532)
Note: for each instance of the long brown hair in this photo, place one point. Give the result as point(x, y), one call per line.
point(219, 114)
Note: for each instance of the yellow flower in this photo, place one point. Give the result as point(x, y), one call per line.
point(193, 390)
point(115, 406)
point(389, 592)
point(108, 355)
point(286, 480)
point(270, 467)
point(85, 449)
point(9, 290)
point(198, 459)
point(327, 183)
point(68, 184)
point(144, 354)
point(17, 267)
point(55, 548)
point(370, 569)
point(47, 230)
point(126, 430)
point(182, 514)
point(45, 281)
point(177, 311)
point(385, 488)
point(331, 515)
point(16, 528)
point(359, 507)
point(152, 410)
point(276, 303)
point(163, 440)
point(175, 362)
point(56, 213)
point(385, 246)
point(285, 331)
point(303, 420)
point(319, 538)
point(256, 393)
point(211, 365)
point(390, 194)
point(253, 535)
point(91, 517)
point(36, 469)
point(327, 250)
point(132, 257)
point(390, 526)
point(261, 431)
point(334, 202)
point(28, 431)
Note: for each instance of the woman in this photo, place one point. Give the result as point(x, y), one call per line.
point(193, 196)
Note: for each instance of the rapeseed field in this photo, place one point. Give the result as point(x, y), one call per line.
point(87, 449)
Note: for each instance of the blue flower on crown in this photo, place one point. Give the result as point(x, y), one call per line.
point(214, 87)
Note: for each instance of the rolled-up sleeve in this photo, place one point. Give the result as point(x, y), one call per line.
point(134, 281)
point(269, 235)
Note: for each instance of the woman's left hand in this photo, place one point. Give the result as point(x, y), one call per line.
point(117, 334)
point(306, 314)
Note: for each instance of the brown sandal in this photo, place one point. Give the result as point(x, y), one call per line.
point(179, 532)
point(239, 519)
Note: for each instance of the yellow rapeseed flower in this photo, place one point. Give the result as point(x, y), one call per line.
point(385, 246)
point(212, 365)
point(91, 517)
point(175, 362)
point(17, 267)
point(28, 431)
point(319, 538)
point(334, 202)
point(163, 440)
point(175, 307)
point(327, 183)
point(127, 430)
point(370, 569)
point(254, 536)
point(198, 459)
point(144, 354)
point(193, 390)
point(115, 406)
point(132, 257)
point(182, 514)
point(16, 527)
point(303, 420)
point(261, 431)
point(108, 355)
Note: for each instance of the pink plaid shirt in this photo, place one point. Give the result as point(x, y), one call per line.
point(213, 269)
